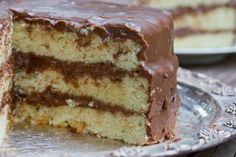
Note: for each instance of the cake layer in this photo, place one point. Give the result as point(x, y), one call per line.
point(51, 98)
point(129, 128)
point(206, 19)
point(71, 46)
point(205, 39)
point(123, 93)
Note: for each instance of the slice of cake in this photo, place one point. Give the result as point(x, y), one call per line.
point(5, 71)
point(200, 23)
point(98, 68)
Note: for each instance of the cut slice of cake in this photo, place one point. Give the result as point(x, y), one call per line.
point(5, 71)
point(200, 23)
point(98, 68)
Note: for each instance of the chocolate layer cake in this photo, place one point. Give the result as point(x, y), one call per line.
point(95, 67)
point(5, 70)
point(200, 23)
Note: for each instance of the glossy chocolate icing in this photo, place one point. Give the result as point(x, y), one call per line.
point(152, 28)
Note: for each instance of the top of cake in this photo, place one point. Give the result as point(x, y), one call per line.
point(141, 24)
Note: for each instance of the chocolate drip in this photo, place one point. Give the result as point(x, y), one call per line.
point(52, 98)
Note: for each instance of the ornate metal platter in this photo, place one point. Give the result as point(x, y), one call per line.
point(207, 118)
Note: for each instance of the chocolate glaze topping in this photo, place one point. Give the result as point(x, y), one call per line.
point(152, 28)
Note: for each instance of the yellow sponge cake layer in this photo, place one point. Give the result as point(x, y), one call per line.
point(128, 128)
point(87, 47)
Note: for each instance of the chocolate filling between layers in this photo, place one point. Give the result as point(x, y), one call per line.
point(71, 70)
point(182, 32)
point(51, 98)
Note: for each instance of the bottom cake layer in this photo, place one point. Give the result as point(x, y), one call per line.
point(205, 40)
point(4, 123)
point(128, 128)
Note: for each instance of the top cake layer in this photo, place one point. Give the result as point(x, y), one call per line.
point(151, 28)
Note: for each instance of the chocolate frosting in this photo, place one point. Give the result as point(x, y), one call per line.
point(152, 28)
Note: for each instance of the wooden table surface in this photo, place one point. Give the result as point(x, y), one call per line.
point(225, 71)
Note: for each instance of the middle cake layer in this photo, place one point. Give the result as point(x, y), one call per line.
point(109, 85)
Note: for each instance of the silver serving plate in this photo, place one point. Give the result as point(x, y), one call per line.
point(207, 118)
point(190, 56)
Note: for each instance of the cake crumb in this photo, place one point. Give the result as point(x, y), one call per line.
point(70, 103)
point(91, 104)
